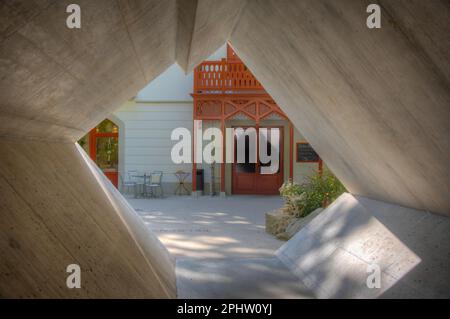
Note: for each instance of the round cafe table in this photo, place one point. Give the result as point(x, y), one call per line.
point(144, 186)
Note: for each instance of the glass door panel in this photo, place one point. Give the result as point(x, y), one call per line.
point(267, 140)
point(107, 153)
point(247, 166)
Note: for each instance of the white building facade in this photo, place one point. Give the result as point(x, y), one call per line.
point(146, 123)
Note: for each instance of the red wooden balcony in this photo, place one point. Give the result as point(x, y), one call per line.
point(225, 76)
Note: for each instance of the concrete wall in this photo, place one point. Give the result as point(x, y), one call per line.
point(372, 102)
point(57, 81)
point(58, 209)
point(211, 22)
point(332, 254)
point(56, 84)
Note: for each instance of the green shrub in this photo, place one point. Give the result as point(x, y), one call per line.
point(292, 193)
point(291, 189)
point(319, 191)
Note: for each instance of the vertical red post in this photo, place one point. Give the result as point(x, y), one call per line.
point(196, 75)
point(222, 165)
point(194, 164)
point(320, 166)
point(93, 144)
point(223, 74)
point(291, 151)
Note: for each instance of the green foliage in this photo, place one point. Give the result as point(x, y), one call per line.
point(319, 191)
point(290, 189)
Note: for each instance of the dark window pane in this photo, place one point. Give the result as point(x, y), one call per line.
point(246, 167)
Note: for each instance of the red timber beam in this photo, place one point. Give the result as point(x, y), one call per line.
point(193, 153)
point(291, 151)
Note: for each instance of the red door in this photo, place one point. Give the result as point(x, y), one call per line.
point(103, 149)
point(247, 177)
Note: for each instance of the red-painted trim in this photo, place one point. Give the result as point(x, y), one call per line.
point(291, 151)
point(222, 165)
point(93, 135)
point(194, 164)
point(226, 81)
point(93, 145)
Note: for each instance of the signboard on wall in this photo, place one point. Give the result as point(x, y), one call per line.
point(305, 153)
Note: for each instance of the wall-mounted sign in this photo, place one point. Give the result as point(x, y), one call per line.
point(305, 153)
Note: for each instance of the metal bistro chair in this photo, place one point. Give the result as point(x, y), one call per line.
point(154, 183)
point(133, 177)
point(126, 185)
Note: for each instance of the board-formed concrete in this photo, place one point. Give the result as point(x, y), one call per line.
point(203, 27)
point(57, 209)
point(374, 103)
point(57, 83)
point(331, 255)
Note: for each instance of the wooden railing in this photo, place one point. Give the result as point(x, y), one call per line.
point(222, 76)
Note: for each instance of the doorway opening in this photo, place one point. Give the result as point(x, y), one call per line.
point(247, 177)
point(102, 145)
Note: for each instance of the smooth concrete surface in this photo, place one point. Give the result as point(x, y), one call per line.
point(58, 83)
point(58, 209)
point(374, 103)
point(209, 228)
point(186, 10)
point(238, 278)
point(332, 253)
point(203, 27)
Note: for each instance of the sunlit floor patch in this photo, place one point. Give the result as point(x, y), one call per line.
point(211, 228)
point(237, 278)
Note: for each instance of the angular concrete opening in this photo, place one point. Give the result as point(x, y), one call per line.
point(372, 102)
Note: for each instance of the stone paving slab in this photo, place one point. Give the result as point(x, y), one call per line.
point(237, 278)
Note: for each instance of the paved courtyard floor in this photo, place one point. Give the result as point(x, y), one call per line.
point(220, 245)
point(211, 227)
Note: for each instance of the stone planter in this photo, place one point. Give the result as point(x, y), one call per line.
point(285, 226)
point(277, 221)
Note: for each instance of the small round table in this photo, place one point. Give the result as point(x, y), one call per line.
point(144, 186)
